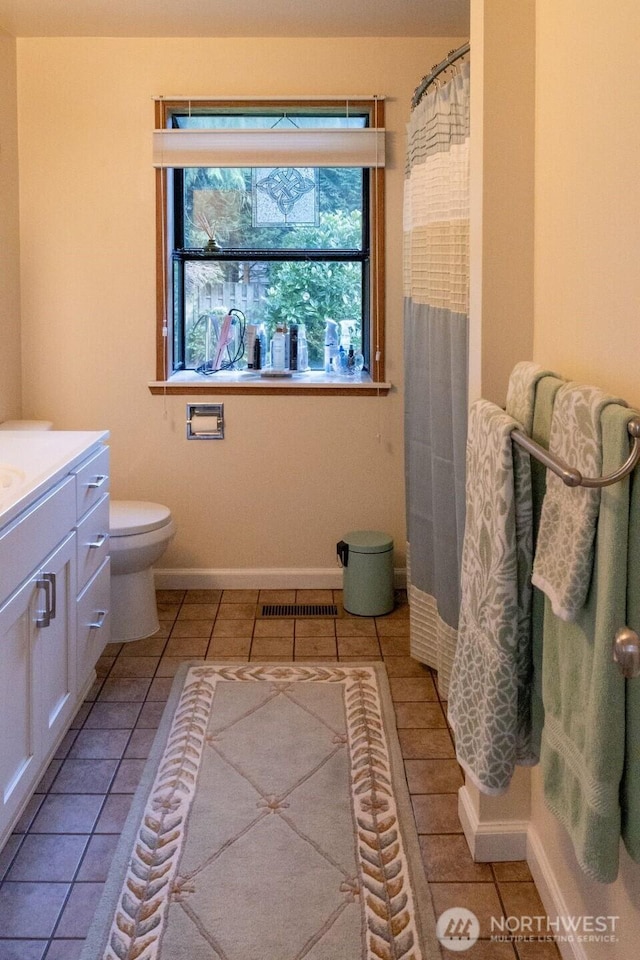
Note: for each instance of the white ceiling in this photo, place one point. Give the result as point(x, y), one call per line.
point(234, 18)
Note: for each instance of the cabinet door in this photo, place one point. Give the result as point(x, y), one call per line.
point(21, 748)
point(93, 623)
point(55, 645)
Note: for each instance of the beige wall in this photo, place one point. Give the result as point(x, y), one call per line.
point(9, 235)
point(587, 289)
point(501, 192)
point(293, 474)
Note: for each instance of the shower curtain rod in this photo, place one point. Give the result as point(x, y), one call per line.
point(450, 59)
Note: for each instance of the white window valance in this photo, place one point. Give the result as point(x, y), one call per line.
point(307, 147)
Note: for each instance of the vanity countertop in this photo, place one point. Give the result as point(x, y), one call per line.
point(31, 461)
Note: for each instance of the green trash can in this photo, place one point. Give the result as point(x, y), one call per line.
point(367, 561)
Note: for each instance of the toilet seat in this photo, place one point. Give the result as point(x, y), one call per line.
point(130, 517)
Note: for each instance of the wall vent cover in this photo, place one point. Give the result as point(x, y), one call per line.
point(299, 610)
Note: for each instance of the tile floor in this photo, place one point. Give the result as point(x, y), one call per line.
point(54, 865)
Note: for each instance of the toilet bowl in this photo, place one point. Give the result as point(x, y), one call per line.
point(139, 533)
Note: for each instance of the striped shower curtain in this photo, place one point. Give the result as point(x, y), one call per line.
point(436, 294)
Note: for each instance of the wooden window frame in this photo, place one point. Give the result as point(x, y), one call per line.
point(168, 383)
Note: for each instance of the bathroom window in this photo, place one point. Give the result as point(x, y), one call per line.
point(272, 244)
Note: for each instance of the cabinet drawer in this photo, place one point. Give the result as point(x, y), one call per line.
point(93, 541)
point(93, 621)
point(34, 534)
point(92, 481)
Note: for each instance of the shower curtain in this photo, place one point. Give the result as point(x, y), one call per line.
point(436, 293)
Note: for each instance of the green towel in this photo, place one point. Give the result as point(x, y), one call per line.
point(583, 690)
point(630, 794)
point(545, 397)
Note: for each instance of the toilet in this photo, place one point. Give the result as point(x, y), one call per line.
point(139, 533)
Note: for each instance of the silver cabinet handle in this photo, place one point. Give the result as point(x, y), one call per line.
point(626, 652)
point(99, 480)
point(47, 582)
point(99, 620)
point(99, 540)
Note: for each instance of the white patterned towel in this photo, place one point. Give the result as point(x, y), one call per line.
point(564, 552)
point(487, 708)
point(521, 392)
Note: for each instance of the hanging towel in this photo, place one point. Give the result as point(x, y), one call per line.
point(583, 690)
point(484, 694)
point(564, 550)
point(521, 392)
point(521, 405)
point(630, 794)
point(546, 392)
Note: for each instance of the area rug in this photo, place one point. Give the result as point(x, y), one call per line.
point(273, 822)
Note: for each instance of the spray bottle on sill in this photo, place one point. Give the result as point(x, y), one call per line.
point(330, 345)
point(278, 349)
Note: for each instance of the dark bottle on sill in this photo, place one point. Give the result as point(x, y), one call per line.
point(257, 354)
point(293, 346)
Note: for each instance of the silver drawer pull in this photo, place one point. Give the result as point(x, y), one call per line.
point(99, 540)
point(44, 583)
point(101, 616)
point(99, 480)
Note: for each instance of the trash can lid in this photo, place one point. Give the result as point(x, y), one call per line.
point(369, 541)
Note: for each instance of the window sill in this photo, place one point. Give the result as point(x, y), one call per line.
point(246, 382)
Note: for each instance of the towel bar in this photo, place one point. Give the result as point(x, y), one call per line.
point(570, 475)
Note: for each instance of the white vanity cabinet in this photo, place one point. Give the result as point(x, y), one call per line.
point(47, 650)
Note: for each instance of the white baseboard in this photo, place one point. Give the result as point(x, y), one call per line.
point(494, 840)
point(258, 578)
point(550, 892)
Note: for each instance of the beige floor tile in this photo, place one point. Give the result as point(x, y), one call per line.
point(512, 870)
point(537, 951)
point(168, 666)
point(521, 899)
point(397, 627)
point(272, 647)
point(236, 611)
point(361, 627)
point(395, 646)
point(315, 659)
point(203, 596)
point(262, 658)
point(438, 813)
point(168, 611)
point(228, 647)
point(278, 627)
point(315, 646)
point(481, 898)
point(483, 950)
point(160, 688)
point(425, 744)
point(240, 596)
point(170, 596)
point(419, 714)
point(277, 596)
point(322, 627)
point(370, 658)
point(405, 667)
point(191, 628)
point(198, 611)
point(186, 647)
point(233, 628)
point(433, 776)
point(413, 688)
point(447, 859)
point(358, 647)
point(314, 596)
point(149, 647)
point(134, 667)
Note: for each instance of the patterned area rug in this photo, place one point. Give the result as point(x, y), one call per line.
point(272, 823)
